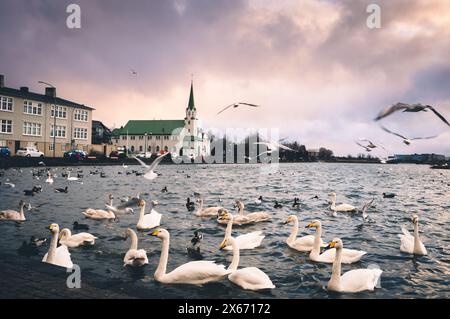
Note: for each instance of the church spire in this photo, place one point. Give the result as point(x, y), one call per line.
point(191, 105)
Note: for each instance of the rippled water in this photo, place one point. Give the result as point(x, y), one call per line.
point(418, 188)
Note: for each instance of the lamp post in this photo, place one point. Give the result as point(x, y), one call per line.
point(145, 147)
point(54, 115)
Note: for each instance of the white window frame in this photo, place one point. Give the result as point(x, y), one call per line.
point(81, 115)
point(80, 133)
point(28, 128)
point(1, 126)
point(61, 112)
point(59, 130)
point(27, 105)
point(5, 100)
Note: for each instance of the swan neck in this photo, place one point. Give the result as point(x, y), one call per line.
point(294, 231)
point(229, 227)
point(22, 214)
point(162, 265)
point(235, 261)
point(416, 238)
point(141, 213)
point(336, 270)
point(52, 250)
point(111, 201)
point(317, 236)
point(134, 241)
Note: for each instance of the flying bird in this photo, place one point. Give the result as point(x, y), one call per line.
point(150, 173)
point(367, 148)
point(133, 72)
point(274, 145)
point(409, 108)
point(407, 140)
point(235, 105)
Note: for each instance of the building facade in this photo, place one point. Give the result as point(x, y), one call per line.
point(179, 137)
point(27, 120)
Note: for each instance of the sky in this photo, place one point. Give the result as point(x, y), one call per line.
point(318, 72)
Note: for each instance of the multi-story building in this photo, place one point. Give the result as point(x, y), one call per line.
point(27, 119)
point(181, 137)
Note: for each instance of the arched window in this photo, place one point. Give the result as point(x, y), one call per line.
point(157, 149)
point(149, 149)
point(166, 149)
point(140, 148)
point(132, 148)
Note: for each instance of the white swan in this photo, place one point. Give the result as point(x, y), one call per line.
point(194, 272)
point(71, 178)
point(58, 256)
point(134, 257)
point(116, 210)
point(98, 214)
point(76, 240)
point(49, 178)
point(412, 244)
point(13, 215)
point(255, 217)
point(354, 280)
point(238, 220)
point(147, 221)
point(207, 212)
point(348, 255)
point(341, 208)
point(250, 278)
point(302, 244)
point(246, 241)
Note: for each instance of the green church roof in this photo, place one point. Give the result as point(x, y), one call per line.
point(155, 127)
point(191, 104)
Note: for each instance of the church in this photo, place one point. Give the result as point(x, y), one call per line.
point(179, 137)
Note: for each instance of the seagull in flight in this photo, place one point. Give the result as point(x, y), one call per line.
point(274, 145)
point(150, 173)
point(367, 148)
point(133, 72)
point(370, 145)
point(407, 140)
point(235, 105)
point(409, 108)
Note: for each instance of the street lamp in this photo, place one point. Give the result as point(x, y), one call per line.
point(54, 115)
point(145, 147)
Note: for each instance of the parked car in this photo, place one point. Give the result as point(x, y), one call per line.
point(145, 155)
point(29, 152)
point(4, 151)
point(75, 155)
point(118, 154)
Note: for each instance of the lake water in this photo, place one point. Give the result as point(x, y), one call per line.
point(418, 188)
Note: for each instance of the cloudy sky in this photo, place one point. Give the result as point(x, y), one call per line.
point(320, 74)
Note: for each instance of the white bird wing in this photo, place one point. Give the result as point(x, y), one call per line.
point(157, 161)
point(225, 108)
point(424, 138)
point(391, 109)
point(197, 272)
point(62, 257)
point(438, 114)
point(141, 162)
point(360, 279)
point(250, 240)
point(249, 104)
point(406, 232)
point(251, 277)
point(390, 132)
point(152, 220)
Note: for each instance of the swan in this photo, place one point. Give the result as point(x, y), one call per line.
point(58, 256)
point(348, 256)
point(250, 278)
point(194, 272)
point(354, 280)
point(13, 215)
point(341, 208)
point(98, 214)
point(302, 244)
point(246, 241)
point(412, 244)
point(117, 210)
point(76, 240)
point(134, 257)
point(71, 178)
point(147, 221)
point(255, 217)
point(49, 178)
point(206, 212)
point(238, 220)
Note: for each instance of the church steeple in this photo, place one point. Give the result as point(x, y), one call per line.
point(191, 105)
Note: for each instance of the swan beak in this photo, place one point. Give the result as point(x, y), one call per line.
point(331, 245)
point(50, 227)
point(309, 225)
point(223, 245)
point(155, 233)
point(286, 221)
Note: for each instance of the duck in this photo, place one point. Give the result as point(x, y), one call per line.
point(13, 215)
point(277, 205)
point(197, 272)
point(249, 278)
point(302, 244)
point(37, 242)
point(190, 205)
point(62, 190)
point(59, 256)
point(77, 226)
point(134, 257)
point(147, 221)
point(347, 208)
point(388, 195)
point(259, 200)
point(348, 256)
point(197, 238)
point(254, 217)
point(76, 240)
point(238, 220)
point(352, 281)
point(164, 190)
point(206, 212)
point(246, 241)
point(296, 203)
point(412, 244)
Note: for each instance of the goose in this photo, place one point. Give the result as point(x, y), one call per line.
point(76, 240)
point(69, 178)
point(249, 278)
point(58, 256)
point(207, 212)
point(238, 220)
point(194, 273)
point(49, 178)
point(134, 257)
point(355, 280)
point(246, 241)
point(412, 244)
point(348, 256)
point(13, 215)
point(147, 221)
point(61, 190)
point(342, 207)
point(150, 174)
point(302, 244)
point(254, 217)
